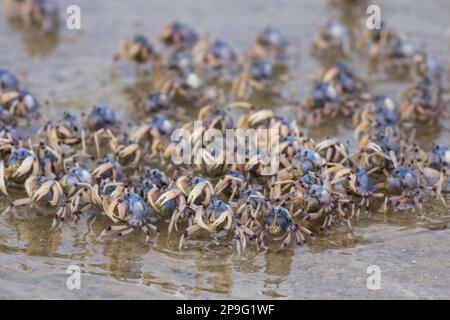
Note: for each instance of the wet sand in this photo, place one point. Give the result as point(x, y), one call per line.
point(73, 72)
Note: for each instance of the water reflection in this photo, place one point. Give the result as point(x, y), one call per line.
point(278, 262)
point(216, 269)
point(37, 43)
point(34, 235)
point(207, 268)
point(125, 258)
point(351, 13)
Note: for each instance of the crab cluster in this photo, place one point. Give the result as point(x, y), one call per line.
point(95, 162)
point(194, 67)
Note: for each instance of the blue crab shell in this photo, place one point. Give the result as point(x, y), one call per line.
point(169, 207)
point(27, 99)
point(157, 100)
point(324, 93)
point(273, 37)
point(215, 209)
point(101, 117)
point(253, 197)
point(18, 155)
point(181, 61)
point(278, 220)
point(310, 179)
point(262, 70)
point(439, 156)
point(136, 209)
point(72, 122)
point(403, 179)
point(185, 34)
point(363, 181)
point(163, 124)
point(385, 111)
point(141, 40)
point(403, 48)
point(156, 177)
point(222, 51)
point(109, 174)
point(335, 32)
point(307, 160)
point(8, 81)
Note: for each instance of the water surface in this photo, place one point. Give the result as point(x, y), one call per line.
point(72, 71)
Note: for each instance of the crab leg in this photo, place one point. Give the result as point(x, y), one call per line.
point(287, 241)
point(239, 245)
point(314, 216)
point(97, 142)
point(2, 178)
point(300, 238)
point(261, 241)
point(18, 203)
point(173, 221)
point(42, 191)
point(115, 231)
point(59, 217)
point(187, 233)
point(221, 187)
point(124, 232)
point(233, 193)
point(147, 228)
point(385, 204)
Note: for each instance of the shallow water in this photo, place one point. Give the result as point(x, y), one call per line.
point(73, 72)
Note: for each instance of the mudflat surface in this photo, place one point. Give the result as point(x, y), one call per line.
point(73, 72)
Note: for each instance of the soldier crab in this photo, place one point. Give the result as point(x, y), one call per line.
point(131, 210)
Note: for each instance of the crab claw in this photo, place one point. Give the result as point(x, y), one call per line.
point(203, 225)
point(42, 191)
point(115, 204)
point(260, 116)
point(325, 144)
point(343, 172)
point(26, 166)
point(197, 191)
point(102, 169)
point(332, 169)
point(129, 150)
point(167, 196)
